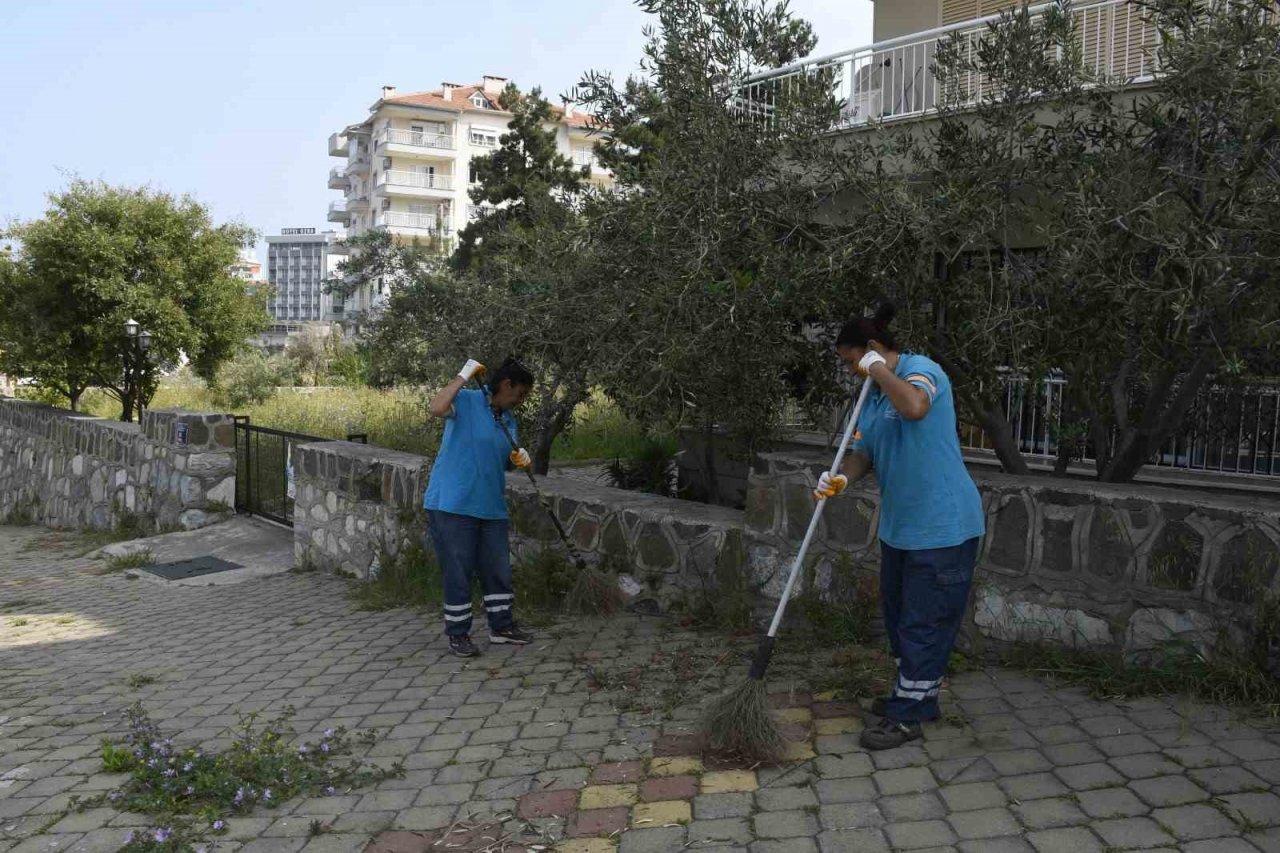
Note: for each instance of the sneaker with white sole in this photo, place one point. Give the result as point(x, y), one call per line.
point(461, 645)
point(511, 634)
point(888, 734)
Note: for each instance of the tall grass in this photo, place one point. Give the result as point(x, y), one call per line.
point(396, 418)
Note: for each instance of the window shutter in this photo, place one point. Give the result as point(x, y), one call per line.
point(954, 11)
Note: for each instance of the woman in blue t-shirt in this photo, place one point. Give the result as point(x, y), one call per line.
point(930, 516)
point(466, 500)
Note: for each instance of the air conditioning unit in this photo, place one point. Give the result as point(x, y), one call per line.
point(386, 204)
point(386, 162)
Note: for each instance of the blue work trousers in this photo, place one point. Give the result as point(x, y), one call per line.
point(924, 595)
point(467, 546)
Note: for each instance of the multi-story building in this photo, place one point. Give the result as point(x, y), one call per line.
point(247, 268)
point(408, 164)
point(299, 261)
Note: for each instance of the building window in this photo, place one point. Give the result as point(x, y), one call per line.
point(584, 155)
point(479, 101)
point(484, 138)
point(473, 176)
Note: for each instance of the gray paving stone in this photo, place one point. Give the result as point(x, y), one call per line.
point(1200, 756)
point(845, 766)
point(789, 845)
point(717, 806)
point(901, 808)
point(1061, 734)
point(1146, 765)
point(1252, 749)
point(1086, 777)
point(1121, 745)
point(658, 840)
point(1220, 845)
point(1009, 844)
point(845, 790)
point(1262, 809)
point(792, 824)
point(1194, 822)
point(1111, 803)
point(1164, 791)
point(1132, 832)
point(785, 799)
point(984, 823)
point(426, 817)
point(1033, 786)
point(1019, 762)
point(1074, 839)
point(853, 841)
point(1227, 780)
point(850, 816)
point(1047, 814)
point(732, 830)
point(918, 834)
point(972, 795)
point(1071, 754)
point(904, 781)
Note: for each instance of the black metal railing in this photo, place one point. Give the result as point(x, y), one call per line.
point(265, 481)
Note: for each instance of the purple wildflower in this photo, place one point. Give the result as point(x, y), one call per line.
point(186, 768)
point(330, 790)
point(162, 834)
point(328, 732)
point(324, 747)
point(190, 790)
point(239, 796)
point(266, 795)
point(169, 774)
point(219, 825)
point(302, 750)
point(128, 839)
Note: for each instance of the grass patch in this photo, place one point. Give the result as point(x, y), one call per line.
point(1222, 678)
point(19, 622)
point(410, 580)
point(138, 680)
point(134, 560)
point(190, 794)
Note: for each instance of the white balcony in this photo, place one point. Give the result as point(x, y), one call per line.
point(357, 202)
point(338, 145)
point(397, 141)
point(338, 178)
point(338, 211)
point(414, 224)
point(358, 165)
point(416, 184)
point(895, 79)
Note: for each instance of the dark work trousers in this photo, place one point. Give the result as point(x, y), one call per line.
point(467, 546)
point(924, 594)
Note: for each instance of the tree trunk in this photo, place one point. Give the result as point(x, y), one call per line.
point(1163, 413)
point(552, 421)
point(74, 398)
point(710, 479)
point(997, 428)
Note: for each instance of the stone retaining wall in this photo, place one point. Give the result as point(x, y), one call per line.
point(1076, 563)
point(64, 469)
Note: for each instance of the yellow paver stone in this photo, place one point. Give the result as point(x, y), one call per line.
point(797, 750)
point(838, 726)
point(608, 796)
point(586, 845)
point(675, 766)
point(661, 813)
point(728, 781)
point(793, 715)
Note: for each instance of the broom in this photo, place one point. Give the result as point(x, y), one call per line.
point(739, 721)
point(593, 592)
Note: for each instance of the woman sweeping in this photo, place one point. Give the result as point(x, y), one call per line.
point(466, 500)
point(930, 517)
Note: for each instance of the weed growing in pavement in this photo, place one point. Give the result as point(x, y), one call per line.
point(1221, 678)
point(191, 793)
point(138, 680)
point(134, 560)
point(411, 579)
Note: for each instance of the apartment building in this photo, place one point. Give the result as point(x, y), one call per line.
point(893, 78)
point(407, 165)
point(299, 260)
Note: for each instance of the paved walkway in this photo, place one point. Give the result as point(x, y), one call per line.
point(579, 742)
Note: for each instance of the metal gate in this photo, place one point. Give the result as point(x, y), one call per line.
point(264, 468)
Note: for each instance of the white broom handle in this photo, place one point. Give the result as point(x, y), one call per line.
point(817, 510)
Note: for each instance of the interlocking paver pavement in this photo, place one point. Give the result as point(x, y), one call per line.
point(549, 743)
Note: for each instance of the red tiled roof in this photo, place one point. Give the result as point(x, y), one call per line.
point(460, 99)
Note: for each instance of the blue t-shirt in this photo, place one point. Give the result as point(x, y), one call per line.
point(469, 474)
point(927, 498)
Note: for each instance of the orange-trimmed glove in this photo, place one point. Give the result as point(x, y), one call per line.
point(829, 486)
point(521, 458)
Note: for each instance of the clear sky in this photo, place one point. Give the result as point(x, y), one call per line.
point(233, 101)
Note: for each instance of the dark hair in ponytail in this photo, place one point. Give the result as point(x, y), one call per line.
point(859, 332)
point(514, 372)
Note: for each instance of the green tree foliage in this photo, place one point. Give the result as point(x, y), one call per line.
point(102, 255)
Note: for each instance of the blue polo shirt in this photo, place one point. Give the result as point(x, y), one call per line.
point(469, 474)
point(927, 498)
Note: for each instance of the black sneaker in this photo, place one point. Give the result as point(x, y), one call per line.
point(511, 634)
point(880, 707)
point(888, 734)
point(461, 645)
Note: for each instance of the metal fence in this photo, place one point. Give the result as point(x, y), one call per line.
point(264, 468)
point(1230, 429)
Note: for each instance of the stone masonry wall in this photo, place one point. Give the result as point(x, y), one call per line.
point(63, 469)
point(1076, 563)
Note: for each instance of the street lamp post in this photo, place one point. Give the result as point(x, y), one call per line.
point(135, 357)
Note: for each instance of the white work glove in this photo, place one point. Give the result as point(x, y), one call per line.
point(470, 369)
point(870, 360)
point(521, 458)
point(830, 485)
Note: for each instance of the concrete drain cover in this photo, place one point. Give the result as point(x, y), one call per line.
point(191, 568)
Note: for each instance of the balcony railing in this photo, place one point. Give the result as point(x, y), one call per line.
point(338, 178)
point(417, 221)
point(895, 79)
point(415, 180)
point(338, 211)
point(416, 138)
